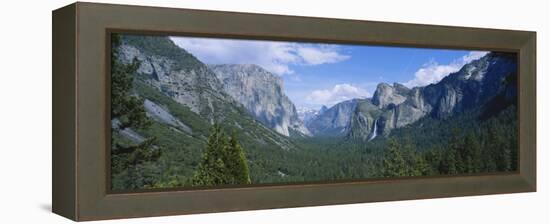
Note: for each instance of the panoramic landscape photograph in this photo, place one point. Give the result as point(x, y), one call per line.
point(211, 112)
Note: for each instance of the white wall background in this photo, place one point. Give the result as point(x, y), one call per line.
point(25, 112)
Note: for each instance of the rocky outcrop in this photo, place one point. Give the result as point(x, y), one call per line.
point(129, 133)
point(163, 115)
point(261, 93)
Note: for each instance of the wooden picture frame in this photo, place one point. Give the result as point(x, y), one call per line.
point(81, 33)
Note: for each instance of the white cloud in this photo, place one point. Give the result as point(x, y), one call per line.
point(322, 55)
point(274, 56)
point(433, 72)
point(338, 93)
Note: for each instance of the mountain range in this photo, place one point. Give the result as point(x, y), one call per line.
point(211, 91)
point(394, 106)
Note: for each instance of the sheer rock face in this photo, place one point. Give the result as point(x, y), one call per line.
point(395, 106)
point(363, 120)
point(386, 94)
point(470, 87)
point(261, 93)
point(333, 121)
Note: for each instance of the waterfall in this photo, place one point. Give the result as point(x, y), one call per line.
point(374, 130)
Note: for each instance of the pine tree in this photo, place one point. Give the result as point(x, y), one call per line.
point(223, 161)
point(448, 164)
point(127, 111)
point(451, 162)
point(421, 166)
point(472, 153)
point(125, 107)
point(433, 157)
point(211, 169)
point(500, 153)
point(236, 160)
point(393, 163)
point(456, 146)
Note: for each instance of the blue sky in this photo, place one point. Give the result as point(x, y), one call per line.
point(325, 74)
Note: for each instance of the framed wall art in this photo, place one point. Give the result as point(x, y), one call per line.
point(202, 111)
